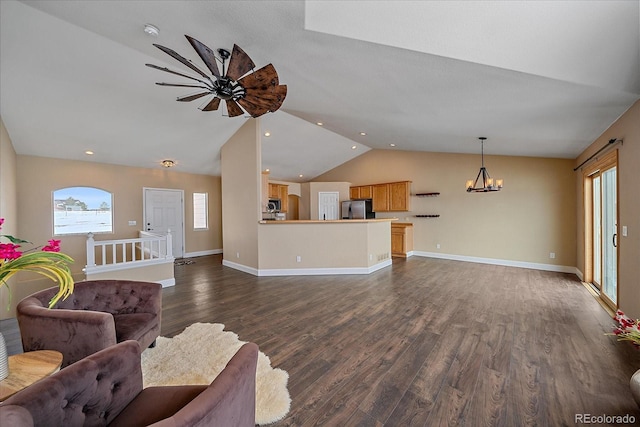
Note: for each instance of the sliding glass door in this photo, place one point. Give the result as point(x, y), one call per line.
point(602, 228)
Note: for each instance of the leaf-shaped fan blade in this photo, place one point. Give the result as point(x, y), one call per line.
point(212, 105)
point(263, 79)
point(233, 108)
point(239, 64)
point(270, 99)
point(175, 72)
point(192, 97)
point(207, 55)
point(177, 56)
point(181, 85)
point(251, 108)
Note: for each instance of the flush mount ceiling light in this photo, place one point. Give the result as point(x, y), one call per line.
point(238, 85)
point(487, 182)
point(152, 30)
point(168, 163)
point(267, 134)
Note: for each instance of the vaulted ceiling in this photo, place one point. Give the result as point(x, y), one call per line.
point(542, 78)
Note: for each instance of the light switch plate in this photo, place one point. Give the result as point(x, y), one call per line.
point(624, 231)
point(132, 222)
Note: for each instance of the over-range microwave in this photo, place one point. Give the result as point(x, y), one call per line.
point(274, 205)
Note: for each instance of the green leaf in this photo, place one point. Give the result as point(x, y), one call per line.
point(14, 240)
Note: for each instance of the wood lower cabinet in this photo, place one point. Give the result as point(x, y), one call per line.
point(401, 239)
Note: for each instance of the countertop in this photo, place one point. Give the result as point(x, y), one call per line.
point(319, 221)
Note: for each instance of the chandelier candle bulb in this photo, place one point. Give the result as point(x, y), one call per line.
point(469, 184)
point(499, 183)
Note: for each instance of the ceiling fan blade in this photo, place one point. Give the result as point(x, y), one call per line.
point(207, 55)
point(182, 85)
point(212, 105)
point(177, 56)
point(253, 109)
point(239, 64)
point(271, 99)
point(264, 78)
point(233, 108)
point(175, 72)
point(192, 97)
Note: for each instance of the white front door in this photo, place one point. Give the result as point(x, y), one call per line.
point(328, 208)
point(163, 211)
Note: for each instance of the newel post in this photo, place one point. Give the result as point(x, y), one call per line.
point(91, 252)
point(169, 244)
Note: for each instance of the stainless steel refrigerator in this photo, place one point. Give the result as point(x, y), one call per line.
point(358, 209)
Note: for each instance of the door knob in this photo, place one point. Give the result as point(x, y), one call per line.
point(615, 242)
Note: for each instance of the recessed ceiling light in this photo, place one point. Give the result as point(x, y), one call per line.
point(267, 134)
point(363, 133)
point(392, 145)
point(353, 147)
point(300, 175)
point(89, 153)
point(266, 170)
point(152, 30)
point(320, 123)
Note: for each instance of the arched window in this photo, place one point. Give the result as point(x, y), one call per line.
point(81, 210)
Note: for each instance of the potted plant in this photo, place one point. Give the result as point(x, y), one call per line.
point(629, 330)
point(45, 260)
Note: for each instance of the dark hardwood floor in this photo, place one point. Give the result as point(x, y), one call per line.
point(425, 342)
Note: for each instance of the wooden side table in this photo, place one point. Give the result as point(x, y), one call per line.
point(27, 368)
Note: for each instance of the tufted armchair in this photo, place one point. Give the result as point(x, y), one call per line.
point(98, 314)
point(106, 389)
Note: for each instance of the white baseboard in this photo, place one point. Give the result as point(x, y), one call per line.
point(167, 283)
point(580, 275)
point(306, 271)
point(505, 262)
point(202, 253)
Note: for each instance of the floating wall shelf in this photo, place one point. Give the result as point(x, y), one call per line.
point(427, 194)
point(428, 216)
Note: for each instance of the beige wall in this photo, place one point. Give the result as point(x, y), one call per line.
point(38, 177)
point(532, 216)
point(8, 207)
point(627, 128)
point(241, 192)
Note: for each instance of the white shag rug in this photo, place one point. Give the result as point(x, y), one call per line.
point(198, 355)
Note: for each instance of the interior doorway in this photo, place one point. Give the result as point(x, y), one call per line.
point(163, 210)
point(601, 227)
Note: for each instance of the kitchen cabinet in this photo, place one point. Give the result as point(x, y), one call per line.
point(361, 192)
point(381, 198)
point(280, 191)
point(401, 239)
point(399, 196)
point(387, 197)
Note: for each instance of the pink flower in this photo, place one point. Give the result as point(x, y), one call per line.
point(8, 251)
point(53, 246)
point(1, 222)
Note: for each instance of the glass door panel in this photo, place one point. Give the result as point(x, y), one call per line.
point(609, 232)
point(597, 236)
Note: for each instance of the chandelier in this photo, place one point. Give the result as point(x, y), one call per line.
point(487, 183)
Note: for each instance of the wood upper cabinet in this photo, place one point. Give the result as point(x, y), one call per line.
point(381, 198)
point(388, 197)
point(280, 191)
point(361, 192)
point(400, 196)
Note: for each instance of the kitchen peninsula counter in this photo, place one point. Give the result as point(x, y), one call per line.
point(331, 221)
point(312, 247)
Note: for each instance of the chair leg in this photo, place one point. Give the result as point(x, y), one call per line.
point(153, 344)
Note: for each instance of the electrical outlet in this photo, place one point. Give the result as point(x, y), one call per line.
point(437, 245)
point(370, 257)
point(237, 254)
point(298, 258)
point(552, 255)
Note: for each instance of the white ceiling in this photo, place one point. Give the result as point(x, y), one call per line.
point(542, 78)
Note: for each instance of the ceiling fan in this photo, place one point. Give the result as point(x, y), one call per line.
point(258, 92)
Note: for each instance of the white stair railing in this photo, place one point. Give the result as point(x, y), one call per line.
point(148, 248)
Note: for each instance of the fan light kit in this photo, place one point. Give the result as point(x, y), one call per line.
point(168, 163)
point(258, 92)
point(487, 181)
point(152, 30)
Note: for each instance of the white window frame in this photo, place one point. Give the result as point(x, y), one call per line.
point(94, 212)
point(200, 210)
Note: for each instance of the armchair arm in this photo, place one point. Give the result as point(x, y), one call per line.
point(74, 333)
